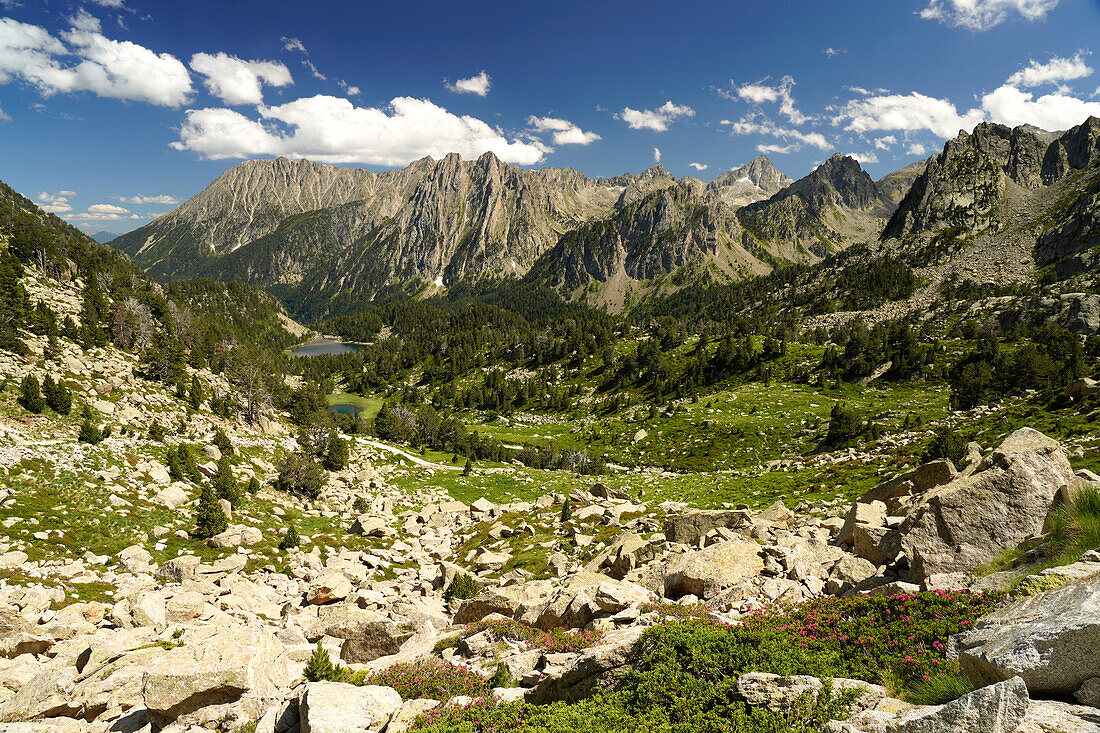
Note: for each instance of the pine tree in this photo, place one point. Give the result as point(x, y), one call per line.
point(209, 517)
point(320, 668)
point(567, 510)
point(225, 484)
point(253, 486)
point(469, 468)
point(336, 457)
point(195, 395)
point(290, 539)
point(175, 468)
point(57, 396)
point(30, 395)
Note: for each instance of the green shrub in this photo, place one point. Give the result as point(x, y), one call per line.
point(946, 443)
point(336, 455)
point(225, 445)
point(501, 677)
point(300, 475)
point(359, 506)
point(463, 586)
point(157, 432)
point(89, 433)
point(844, 424)
point(290, 539)
point(253, 486)
point(320, 668)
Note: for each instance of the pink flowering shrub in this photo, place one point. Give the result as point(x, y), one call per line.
point(902, 636)
point(431, 678)
point(552, 641)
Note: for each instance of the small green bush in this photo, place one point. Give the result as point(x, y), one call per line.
point(463, 586)
point(946, 443)
point(939, 690)
point(290, 539)
point(89, 433)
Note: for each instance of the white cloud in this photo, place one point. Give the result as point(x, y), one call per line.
point(478, 85)
point(699, 166)
point(656, 155)
point(333, 130)
point(1054, 71)
point(156, 199)
point(110, 3)
point(349, 89)
point(912, 111)
point(831, 52)
point(864, 158)
point(293, 44)
point(885, 143)
point(107, 68)
point(776, 149)
point(55, 203)
point(981, 15)
point(757, 125)
point(313, 70)
point(658, 119)
point(916, 149)
point(107, 209)
point(236, 81)
point(760, 93)
point(1011, 106)
point(565, 132)
point(4, 116)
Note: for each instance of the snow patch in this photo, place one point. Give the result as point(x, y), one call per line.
point(439, 281)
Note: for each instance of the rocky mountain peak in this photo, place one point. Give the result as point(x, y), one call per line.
point(840, 180)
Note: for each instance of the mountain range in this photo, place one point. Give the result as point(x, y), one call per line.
point(328, 238)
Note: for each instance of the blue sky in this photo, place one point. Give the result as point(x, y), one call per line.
point(113, 110)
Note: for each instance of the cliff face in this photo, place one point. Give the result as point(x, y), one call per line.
point(979, 175)
point(653, 236)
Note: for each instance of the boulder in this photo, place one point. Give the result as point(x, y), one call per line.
point(172, 496)
point(369, 526)
point(999, 708)
point(597, 668)
point(1049, 716)
point(967, 522)
point(780, 694)
point(690, 528)
point(872, 514)
point(179, 569)
point(328, 588)
point(335, 707)
point(402, 720)
point(218, 667)
point(707, 572)
point(1051, 640)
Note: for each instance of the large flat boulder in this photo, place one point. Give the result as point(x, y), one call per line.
point(967, 522)
point(1051, 640)
point(219, 666)
point(334, 707)
point(597, 668)
point(706, 573)
point(689, 528)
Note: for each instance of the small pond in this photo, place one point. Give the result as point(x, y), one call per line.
point(317, 348)
point(343, 409)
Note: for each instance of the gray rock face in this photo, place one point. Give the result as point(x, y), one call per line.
point(965, 523)
point(706, 573)
point(1000, 708)
point(689, 528)
point(1051, 640)
point(334, 707)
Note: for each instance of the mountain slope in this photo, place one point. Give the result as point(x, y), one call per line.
point(756, 181)
point(834, 206)
point(657, 235)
